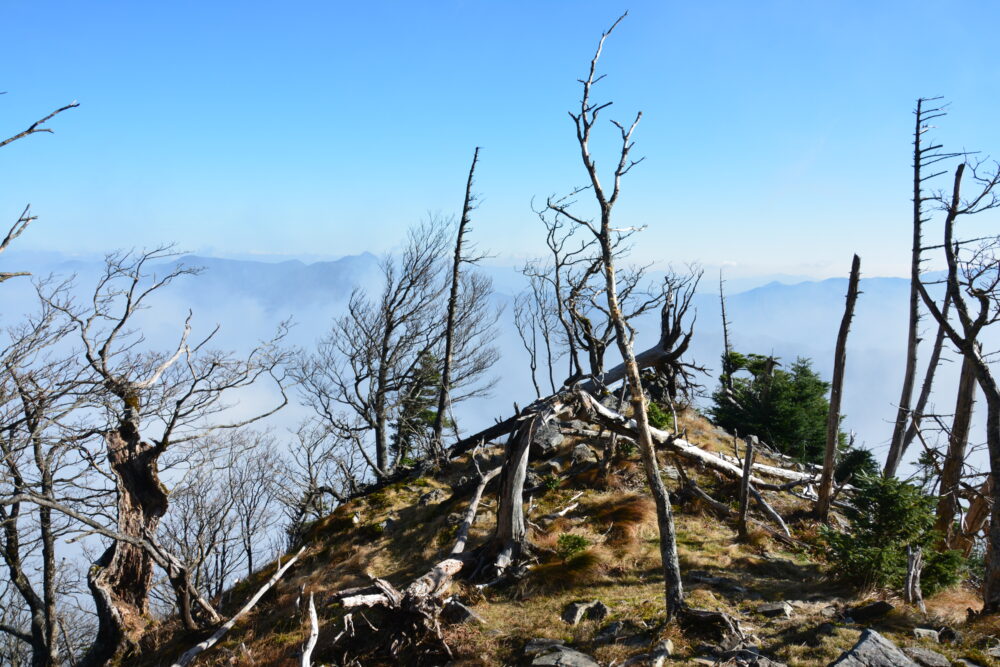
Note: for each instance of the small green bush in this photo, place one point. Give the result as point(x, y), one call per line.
point(569, 544)
point(551, 482)
point(888, 516)
point(658, 417)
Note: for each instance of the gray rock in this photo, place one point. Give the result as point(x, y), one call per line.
point(965, 662)
point(456, 612)
point(622, 632)
point(873, 650)
point(872, 610)
point(927, 658)
point(432, 497)
point(541, 645)
point(822, 630)
point(722, 583)
point(776, 610)
point(546, 440)
point(532, 480)
point(565, 657)
point(591, 611)
point(655, 658)
point(584, 454)
point(926, 633)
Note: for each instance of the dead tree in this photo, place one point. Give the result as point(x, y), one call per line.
point(973, 284)
point(444, 393)
point(836, 389)
point(666, 355)
point(950, 487)
point(923, 156)
point(26, 218)
point(605, 234)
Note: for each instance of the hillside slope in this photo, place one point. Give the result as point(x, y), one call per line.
point(400, 531)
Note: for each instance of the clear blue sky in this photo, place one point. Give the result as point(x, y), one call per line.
point(776, 133)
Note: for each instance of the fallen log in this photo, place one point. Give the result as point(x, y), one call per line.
point(193, 652)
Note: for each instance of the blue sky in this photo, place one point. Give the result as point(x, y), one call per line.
point(776, 133)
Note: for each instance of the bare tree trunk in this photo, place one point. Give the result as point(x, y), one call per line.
point(449, 334)
point(991, 581)
point(916, 415)
point(923, 155)
point(121, 578)
point(914, 565)
point(912, 333)
point(745, 489)
point(727, 350)
point(951, 473)
point(836, 389)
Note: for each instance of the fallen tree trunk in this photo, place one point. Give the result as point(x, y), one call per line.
point(193, 652)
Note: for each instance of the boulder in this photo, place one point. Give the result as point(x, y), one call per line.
point(776, 610)
point(565, 657)
point(591, 611)
point(926, 633)
point(926, 658)
point(873, 650)
point(872, 610)
point(584, 454)
point(547, 438)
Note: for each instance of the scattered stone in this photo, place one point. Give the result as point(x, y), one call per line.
point(565, 657)
point(532, 480)
point(655, 658)
point(965, 662)
point(776, 610)
point(926, 658)
point(591, 611)
point(584, 454)
point(578, 425)
point(540, 645)
point(547, 438)
point(872, 610)
point(949, 635)
point(830, 611)
point(873, 650)
point(993, 652)
point(387, 524)
point(926, 633)
point(456, 612)
point(454, 518)
point(432, 497)
point(622, 632)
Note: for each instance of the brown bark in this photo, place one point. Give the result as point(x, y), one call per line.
point(951, 472)
point(836, 389)
point(121, 579)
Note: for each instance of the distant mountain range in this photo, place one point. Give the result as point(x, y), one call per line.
point(249, 298)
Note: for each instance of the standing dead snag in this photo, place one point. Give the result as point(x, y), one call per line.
point(836, 389)
point(444, 393)
point(954, 459)
point(923, 156)
point(974, 277)
point(509, 541)
point(584, 121)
